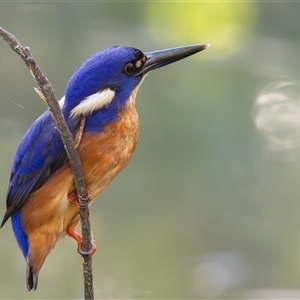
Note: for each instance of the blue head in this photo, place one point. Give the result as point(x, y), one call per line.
point(110, 69)
point(106, 80)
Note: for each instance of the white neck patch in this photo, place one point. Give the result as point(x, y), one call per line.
point(93, 102)
point(61, 102)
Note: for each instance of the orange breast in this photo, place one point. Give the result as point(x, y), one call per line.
point(102, 156)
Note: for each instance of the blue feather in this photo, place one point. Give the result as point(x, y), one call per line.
point(40, 153)
point(20, 235)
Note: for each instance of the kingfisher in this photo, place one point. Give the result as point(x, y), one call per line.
point(99, 109)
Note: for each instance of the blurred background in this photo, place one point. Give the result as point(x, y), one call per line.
point(209, 205)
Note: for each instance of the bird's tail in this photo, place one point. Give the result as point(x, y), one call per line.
point(40, 244)
point(31, 278)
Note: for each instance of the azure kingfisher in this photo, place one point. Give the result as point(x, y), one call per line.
point(99, 109)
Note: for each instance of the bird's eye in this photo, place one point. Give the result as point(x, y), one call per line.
point(129, 68)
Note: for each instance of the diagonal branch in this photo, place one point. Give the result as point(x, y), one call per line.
point(47, 91)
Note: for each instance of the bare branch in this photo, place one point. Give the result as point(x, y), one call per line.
point(49, 96)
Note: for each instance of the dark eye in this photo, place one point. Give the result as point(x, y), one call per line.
point(129, 68)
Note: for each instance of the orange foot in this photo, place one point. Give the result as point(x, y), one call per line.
point(78, 238)
point(73, 197)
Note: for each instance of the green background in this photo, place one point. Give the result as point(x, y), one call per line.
point(209, 205)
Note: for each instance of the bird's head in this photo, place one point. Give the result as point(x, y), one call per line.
point(109, 77)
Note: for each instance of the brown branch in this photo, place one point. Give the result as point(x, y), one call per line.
point(47, 91)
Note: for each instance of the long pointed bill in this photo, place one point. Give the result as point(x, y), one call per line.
point(162, 58)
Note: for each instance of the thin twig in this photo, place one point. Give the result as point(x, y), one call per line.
point(47, 91)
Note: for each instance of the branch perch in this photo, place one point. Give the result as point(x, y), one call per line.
point(47, 91)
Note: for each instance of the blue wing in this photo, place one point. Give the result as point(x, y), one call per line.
point(40, 153)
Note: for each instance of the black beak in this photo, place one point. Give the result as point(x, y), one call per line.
point(157, 59)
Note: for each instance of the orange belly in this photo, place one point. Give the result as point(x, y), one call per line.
point(47, 213)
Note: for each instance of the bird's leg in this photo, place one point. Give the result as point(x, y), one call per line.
point(78, 238)
point(73, 197)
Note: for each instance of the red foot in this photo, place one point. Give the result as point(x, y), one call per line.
point(78, 238)
point(73, 197)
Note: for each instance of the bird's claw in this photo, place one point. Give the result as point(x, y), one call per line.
point(78, 238)
point(73, 197)
point(88, 253)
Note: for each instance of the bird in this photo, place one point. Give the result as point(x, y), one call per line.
point(99, 109)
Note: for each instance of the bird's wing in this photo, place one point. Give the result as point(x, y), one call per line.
point(40, 153)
